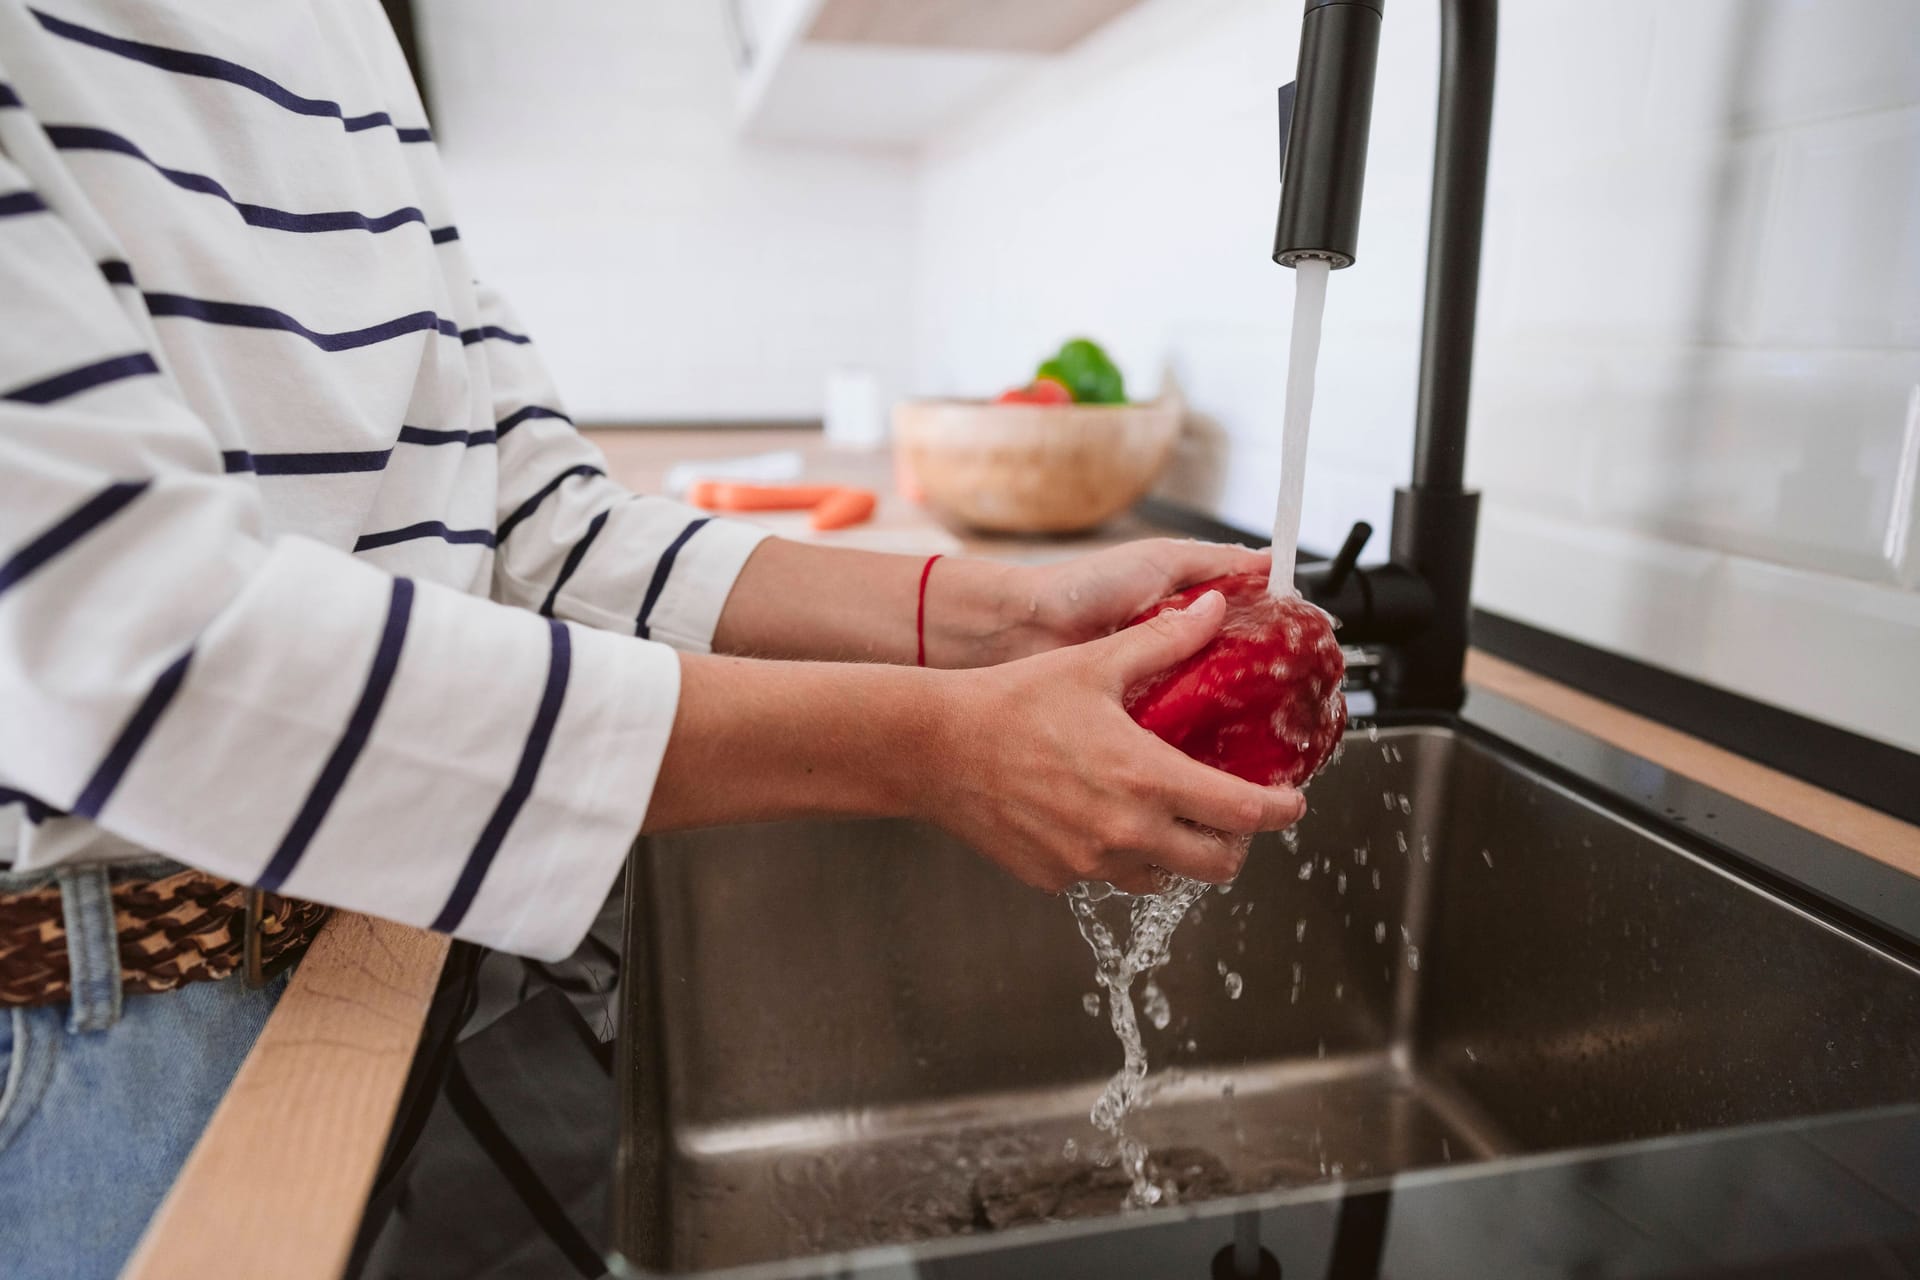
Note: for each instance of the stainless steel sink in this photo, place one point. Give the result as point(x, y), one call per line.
point(852, 1033)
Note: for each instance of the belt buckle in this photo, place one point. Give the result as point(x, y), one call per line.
point(257, 971)
point(250, 926)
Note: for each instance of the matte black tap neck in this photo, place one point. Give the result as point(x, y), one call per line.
point(1419, 602)
point(1462, 137)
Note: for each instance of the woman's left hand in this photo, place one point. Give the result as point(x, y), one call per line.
point(1094, 595)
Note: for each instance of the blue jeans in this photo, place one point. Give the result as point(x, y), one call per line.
point(102, 1098)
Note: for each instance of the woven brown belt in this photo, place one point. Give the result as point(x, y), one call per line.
point(181, 928)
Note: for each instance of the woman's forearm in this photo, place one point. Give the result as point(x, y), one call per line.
point(755, 741)
point(1035, 763)
point(793, 600)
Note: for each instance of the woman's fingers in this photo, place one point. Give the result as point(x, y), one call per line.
point(1214, 798)
point(1188, 851)
point(1186, 562)
point(1152, 646)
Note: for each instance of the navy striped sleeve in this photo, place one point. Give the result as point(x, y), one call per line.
point(333, 775)
point(531, 754)
point(642, 624)
point(519, 416)
point(88, 376)
point(575, 554)
point(545, 491)
point(83, 520)
point(100, 787)
point(17, 203)
point(425, 529)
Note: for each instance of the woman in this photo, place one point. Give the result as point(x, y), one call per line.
point(308, 583)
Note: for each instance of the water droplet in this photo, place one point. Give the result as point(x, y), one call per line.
point(1234, 986)
point(1373, 733)
point(1343, 882)
point(1306, 869)
point(1091, 1003)
point(1376, 877)
point(1386, 801)
point(1486, 857)
point(1380, 931)
point(1069, 1149)
point(1300, 930)
point(1406, 805)
point(1400, 839)
point(1413, 958)
point(1158, 1009)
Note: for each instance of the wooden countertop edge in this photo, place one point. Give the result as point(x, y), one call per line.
point(278, 1180)
point(1839, 819)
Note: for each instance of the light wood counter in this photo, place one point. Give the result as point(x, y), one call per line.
point(276, 1184)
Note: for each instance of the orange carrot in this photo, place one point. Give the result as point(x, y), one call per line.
point(844, 507)
point(723, 496)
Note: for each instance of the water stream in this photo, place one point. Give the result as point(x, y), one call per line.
point(1309, 304)
point(1152, 918)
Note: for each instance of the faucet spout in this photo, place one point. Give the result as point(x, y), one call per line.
point(1326, 165)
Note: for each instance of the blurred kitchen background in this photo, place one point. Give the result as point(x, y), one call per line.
point(1696, 412)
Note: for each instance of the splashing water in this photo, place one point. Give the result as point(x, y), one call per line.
point(1151, 920)
point(1309, 302)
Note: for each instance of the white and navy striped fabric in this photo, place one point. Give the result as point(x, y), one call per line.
point(272, 468)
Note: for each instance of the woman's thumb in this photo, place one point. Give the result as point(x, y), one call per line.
point(1170, 636)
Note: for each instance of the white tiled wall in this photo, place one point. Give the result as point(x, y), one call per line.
point(1697, 396)
point(670, 269)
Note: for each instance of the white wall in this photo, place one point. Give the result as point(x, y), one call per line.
point(670, 269)
point(1697, 397)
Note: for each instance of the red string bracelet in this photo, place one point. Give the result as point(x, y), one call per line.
point(920, 619)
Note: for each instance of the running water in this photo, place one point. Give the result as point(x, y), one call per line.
point(1309, 302)
point(1151, 920)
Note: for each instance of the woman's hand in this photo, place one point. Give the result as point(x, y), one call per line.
point(1034, 763)
point(794, 600)
point(1072, 601)
point(1039, 767)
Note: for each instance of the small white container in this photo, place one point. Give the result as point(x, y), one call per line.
point(853, 418)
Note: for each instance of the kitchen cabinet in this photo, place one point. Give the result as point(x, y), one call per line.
point(890, 72)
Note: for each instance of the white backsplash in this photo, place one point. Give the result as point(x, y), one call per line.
point(1696, 407)
point(669, 268)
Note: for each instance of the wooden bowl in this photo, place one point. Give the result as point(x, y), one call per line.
point(1033, 468)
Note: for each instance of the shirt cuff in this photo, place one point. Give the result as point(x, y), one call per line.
point(692, 596)
point(568, 844)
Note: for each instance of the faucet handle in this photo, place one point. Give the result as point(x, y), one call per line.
point(1347, 557)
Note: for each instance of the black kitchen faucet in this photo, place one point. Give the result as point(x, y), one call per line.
point(1415, 605)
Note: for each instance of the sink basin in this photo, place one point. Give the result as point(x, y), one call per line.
point(841, 1034)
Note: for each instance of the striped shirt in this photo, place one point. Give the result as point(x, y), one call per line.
point(306, 579)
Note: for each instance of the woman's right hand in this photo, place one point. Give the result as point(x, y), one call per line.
point(1042, 770)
